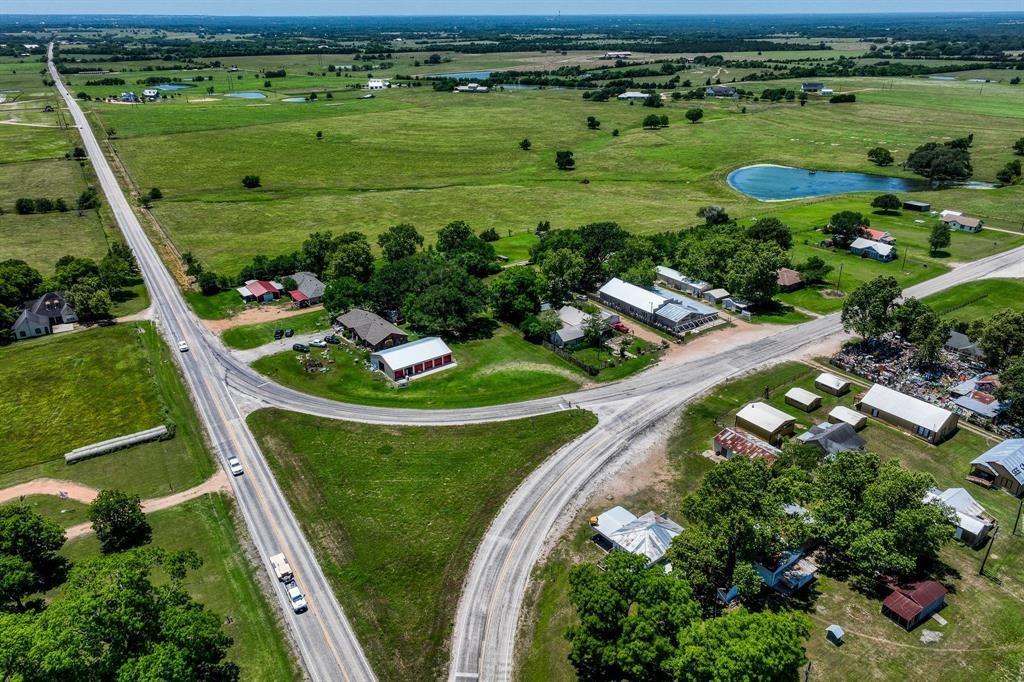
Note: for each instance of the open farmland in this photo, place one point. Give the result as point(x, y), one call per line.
point(424, 157)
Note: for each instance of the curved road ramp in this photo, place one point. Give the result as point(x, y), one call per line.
point(105, 446)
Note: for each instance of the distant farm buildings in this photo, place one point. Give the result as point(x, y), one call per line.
point(720, 91)
point(634, 94)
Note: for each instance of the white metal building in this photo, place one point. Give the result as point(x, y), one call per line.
point(412, 359)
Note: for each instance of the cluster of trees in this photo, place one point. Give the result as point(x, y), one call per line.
point(943, 162)
point(105, 81)
point(843, 98)
point(112, 620)
point(867, 517)
point(89, 286)
point(25, 206)
point(1010, 173)
point(653, 121)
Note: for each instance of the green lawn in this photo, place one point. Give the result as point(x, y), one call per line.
point(395, 514)
point(225, 583)
point(89, 386)
point(501, 369)
point(645, 180)
point(216, 307)
point(253, 335)
point(65, 512)
point(516, 247)
point(968, 302)
point(983, 613)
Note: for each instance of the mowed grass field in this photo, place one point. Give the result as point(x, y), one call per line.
point(65, 391)
point(225, 583)
point(501, 369)
point(395, 514)
point(982, 299)
point(982, 639)
point(414, 155)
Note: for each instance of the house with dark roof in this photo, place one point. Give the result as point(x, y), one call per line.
point(909, 605)
point(789, 279)
point(832, 438)
point(959, 342)
point(39, 317)
point(309, 290)
point(370, 330)
point(814, 88)
point(720, 91)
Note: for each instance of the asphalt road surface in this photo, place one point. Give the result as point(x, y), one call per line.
point(325, 640)
point(489, 610)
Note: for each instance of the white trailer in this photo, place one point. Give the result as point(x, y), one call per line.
point(281, 568)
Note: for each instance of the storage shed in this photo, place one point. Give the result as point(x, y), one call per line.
point(802, 398)
point(830, 383)
point(841, 414)
point(412, 359)
point(908, 605)
point(716, 295)
point(765, 421)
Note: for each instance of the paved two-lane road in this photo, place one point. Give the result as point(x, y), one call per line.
point(323, 636)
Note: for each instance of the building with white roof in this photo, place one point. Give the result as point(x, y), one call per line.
point(765, 421)
point(656, 306)
point(1001, 467)
point(649, 535)
point(830, 383)
point(973, 523)
point(471, 87)
point(840, 414)
point(930, 422)
point(868, 248)
point(688, 285)
point(634, 94)
point(803, 399)
point(377, 84)
point(958, 221)
point(410, 360)
point(716, 295)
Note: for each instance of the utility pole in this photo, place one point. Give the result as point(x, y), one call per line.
point(906, 250)
point(988, 550)
point(1017, 521)
point(839, 279)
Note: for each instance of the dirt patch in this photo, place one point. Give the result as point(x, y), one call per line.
point(719, 340)
point(256, 315)
point(203, 99)
point(50, 486)
point(536, 367)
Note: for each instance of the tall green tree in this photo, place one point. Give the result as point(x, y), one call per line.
point(941, 163)
point(316, 251)
point(771, 229)
point(563, 271)
point(26, 535)
point(449, 305)
point(869, 309)
point(1002, 337)
point(342, 294)
point(352, 257)
point(713, 215)
point(887, 203)
point(880, 156)
point(118, 520)
point(845, 227)
point(814, 270)
point(753, 271)
point(694, 115)
point(516, 294)
point(399, 241)
point(1012, 390)
point(940, 238)
point(18, 281)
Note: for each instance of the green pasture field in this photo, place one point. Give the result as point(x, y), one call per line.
point(65, 512)
point(980, 612)
point(395, 514)
point(502, 369)
point(414, 155)
point(981, 299)
point(65, 391)
point(253, 335)
point(516, 247)
point(210, 526)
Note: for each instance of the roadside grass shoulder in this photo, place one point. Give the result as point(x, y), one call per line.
point(502, 369)
point(68, 391)
point(974, 300)
point(216, 307)
point(253, 335)
point(395, 514)
point(225, 583)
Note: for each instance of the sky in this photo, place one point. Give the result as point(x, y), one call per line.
point(493, 7)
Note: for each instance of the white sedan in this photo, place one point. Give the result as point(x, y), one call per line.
point(234, 466)
point(182, 346)
point(317, 343)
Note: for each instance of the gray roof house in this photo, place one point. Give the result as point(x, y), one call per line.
point(832, 438)
point(1001, 467)
point(39, 317)
point(370, 329)
point(574, 325)
point(308, 289)
point(656, 306)
point(960, 343)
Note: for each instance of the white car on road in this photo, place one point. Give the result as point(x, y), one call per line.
point(317, 343)
point(297, 599)
point(182, 346)
point(235, 466)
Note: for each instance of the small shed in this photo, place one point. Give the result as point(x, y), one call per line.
point(835, 634)
point(803, 399)
point(830, 383)
point(789, 279)
point(908, 605)
point(844, 415)
point(921, 206)
point(716, 295)
point(765, 421)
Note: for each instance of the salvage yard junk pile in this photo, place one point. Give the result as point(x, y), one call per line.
point(960, 383)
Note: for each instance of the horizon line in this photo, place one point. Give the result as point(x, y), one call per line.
point(544, 16)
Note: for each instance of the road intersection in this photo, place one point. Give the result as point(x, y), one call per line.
point(225, 389)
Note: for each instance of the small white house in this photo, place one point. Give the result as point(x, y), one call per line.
point(868, 248)
point(151, 93)
point(471, 87)
point(634, 94)
point(973, 523)
point(930, 422)
point(716, 295)
point(377, 84)
point(960, 222)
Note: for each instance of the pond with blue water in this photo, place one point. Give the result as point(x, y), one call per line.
point(778, 183)
point(172, 86)
point(246, 95)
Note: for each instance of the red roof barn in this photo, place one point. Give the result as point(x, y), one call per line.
point(910, 604)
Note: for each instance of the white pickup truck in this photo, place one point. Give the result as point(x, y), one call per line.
point(281, 568)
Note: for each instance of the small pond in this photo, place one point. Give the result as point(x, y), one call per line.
point(246, 95)
point(172, 86)
point(778, 183)
point(466, 75)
